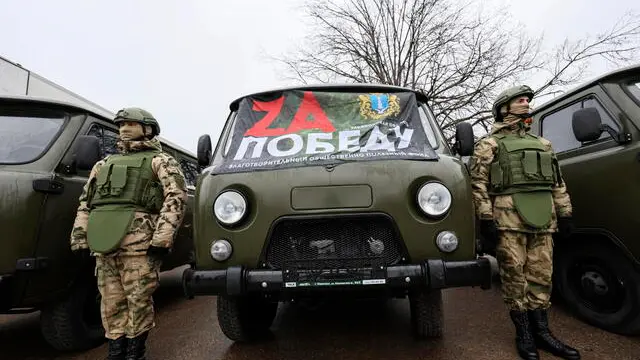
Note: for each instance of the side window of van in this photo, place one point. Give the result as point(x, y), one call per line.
point(557, 126)
point(190, 170)
point(108, 138)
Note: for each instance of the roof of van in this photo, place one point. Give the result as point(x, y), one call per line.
point(354, 87)
point(103, 114)
point(618, 73)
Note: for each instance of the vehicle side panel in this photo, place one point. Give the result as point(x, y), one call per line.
point(602, 177)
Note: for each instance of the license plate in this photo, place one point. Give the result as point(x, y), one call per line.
point(292, 284)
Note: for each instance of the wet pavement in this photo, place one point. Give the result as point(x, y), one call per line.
point(476, 327)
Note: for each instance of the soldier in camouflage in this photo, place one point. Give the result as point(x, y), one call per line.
point(129, 213)
point(521, 200)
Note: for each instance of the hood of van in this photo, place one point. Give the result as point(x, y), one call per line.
point(374, 187)
point(20, 208)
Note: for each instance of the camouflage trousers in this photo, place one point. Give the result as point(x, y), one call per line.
point(526, 266)
point(126, 284)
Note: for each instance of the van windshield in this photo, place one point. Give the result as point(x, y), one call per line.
point(295, 128)
point(25, 136)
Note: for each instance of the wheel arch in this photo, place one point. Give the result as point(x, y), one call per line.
point(599, 236)
point(626, 319)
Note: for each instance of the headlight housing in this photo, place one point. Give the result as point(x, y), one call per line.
point(230, 207)
point(434, 199)
point(447, 241)
point(221, 250)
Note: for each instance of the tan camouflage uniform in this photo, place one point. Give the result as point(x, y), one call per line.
point(127, 277)
point(525, 254)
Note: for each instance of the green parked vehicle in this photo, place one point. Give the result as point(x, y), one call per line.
point(595, 131)
point(332, 190)
point(47, 148)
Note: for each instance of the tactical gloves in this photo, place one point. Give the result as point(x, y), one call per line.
point(489, 233)
point(157, 252)
point(84, 255)
point(565, 226)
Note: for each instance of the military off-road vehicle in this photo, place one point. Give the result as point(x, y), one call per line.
point(595, 130)
point(47, 149)
point(332, 190)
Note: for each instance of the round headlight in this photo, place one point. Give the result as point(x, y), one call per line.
point(229, 207)
point(447, 241)
point(221, 250)
point(434, 199)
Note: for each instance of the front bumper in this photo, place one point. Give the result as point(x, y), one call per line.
point(431, 274)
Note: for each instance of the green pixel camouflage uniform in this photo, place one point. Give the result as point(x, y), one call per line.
point(127, 277)
point(524, 253)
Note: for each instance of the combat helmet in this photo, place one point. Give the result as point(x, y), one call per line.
point(507, 95)
point(138, 115)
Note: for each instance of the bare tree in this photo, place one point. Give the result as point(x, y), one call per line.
point(457, 55)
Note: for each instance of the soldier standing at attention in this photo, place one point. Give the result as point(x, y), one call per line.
point(130, 210)
point(521, 200)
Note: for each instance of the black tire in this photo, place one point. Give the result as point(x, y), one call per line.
point(599, 285)
point(427, 317)
point(74, 323)
point(245, 319)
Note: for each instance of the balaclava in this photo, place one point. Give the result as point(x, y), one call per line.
point(135, 137)
point(516, 118)
point(131, 131)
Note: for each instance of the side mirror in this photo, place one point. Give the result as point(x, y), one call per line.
point(204, 150)
point(587, 124)
point(464, 139)
point(87, 152)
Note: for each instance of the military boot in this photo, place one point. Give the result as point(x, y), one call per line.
point(136, 349)
point(524, 338)
point(544, 338)
point(118, 348)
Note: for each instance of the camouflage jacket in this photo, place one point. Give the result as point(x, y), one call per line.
point(146, 229)
point(500, 208)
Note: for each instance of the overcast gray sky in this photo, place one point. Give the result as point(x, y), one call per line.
point(186, 60)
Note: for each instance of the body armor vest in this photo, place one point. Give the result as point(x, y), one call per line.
point(524, 169)
point(124, 185)
point(522, 165)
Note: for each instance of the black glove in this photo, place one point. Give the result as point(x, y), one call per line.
point(489, 233)
point(157, 252)
point(565, 227)
point(83, 255)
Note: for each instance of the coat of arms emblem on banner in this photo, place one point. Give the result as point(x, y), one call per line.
point(377, 106)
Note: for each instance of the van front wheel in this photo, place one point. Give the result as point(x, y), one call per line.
point(243, 318)
point(600, 285)
point(74, 323)
point(427, 317)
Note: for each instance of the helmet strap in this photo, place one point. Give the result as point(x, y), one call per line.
point(148, 131)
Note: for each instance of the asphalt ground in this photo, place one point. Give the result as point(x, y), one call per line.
point(477, 326)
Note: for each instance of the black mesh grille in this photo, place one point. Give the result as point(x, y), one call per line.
point(371, 239)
